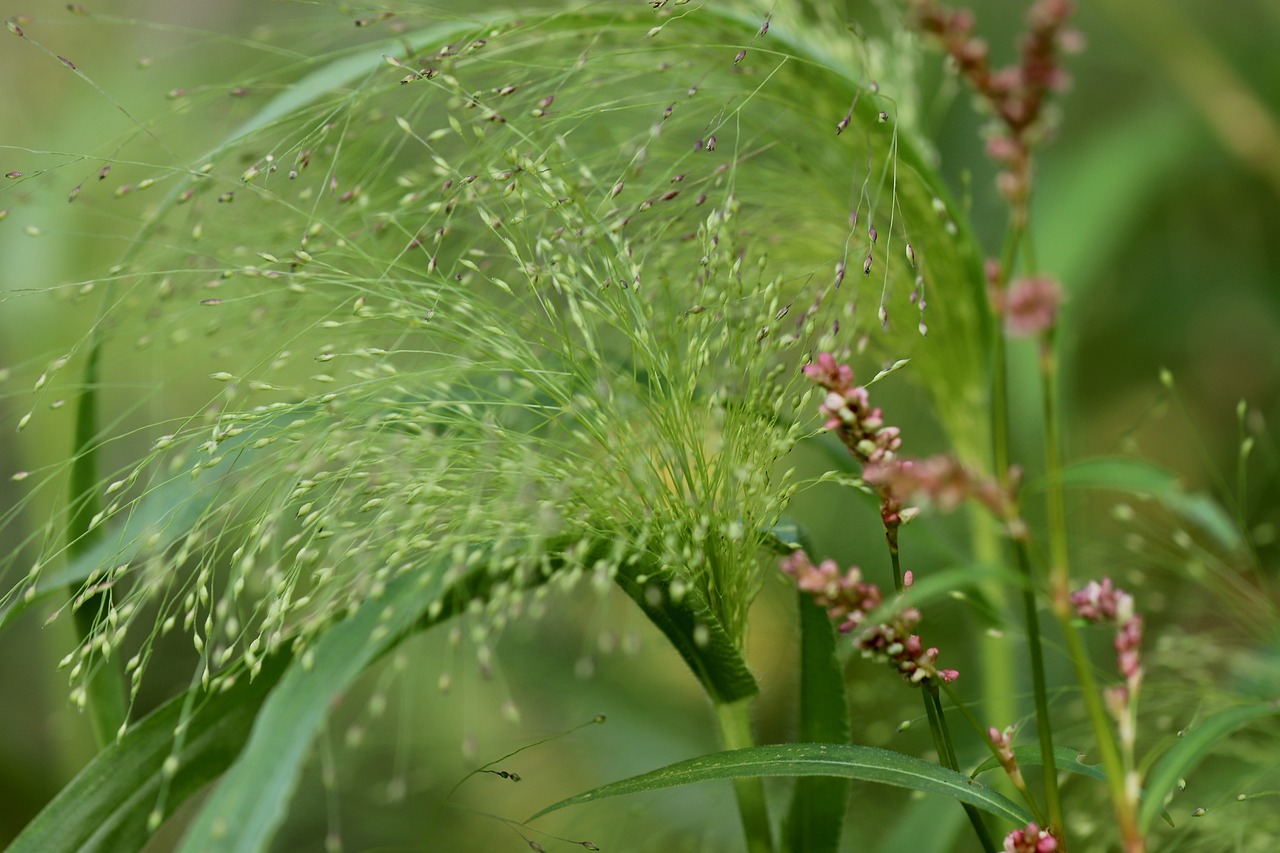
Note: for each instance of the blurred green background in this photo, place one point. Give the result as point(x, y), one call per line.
point(1158, 206)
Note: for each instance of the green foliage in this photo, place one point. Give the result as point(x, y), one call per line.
point(818, 803)
point(863, 763)
point(469, 311)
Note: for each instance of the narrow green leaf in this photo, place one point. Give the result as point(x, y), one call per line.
point(692, 630)
point(1147, 480)
point(104, 690)
point(1063, 759)
point(818, 804)
point(1188, 752)
point(865, 763)
point(106, 807)
point(967, 582)
point(250, 802)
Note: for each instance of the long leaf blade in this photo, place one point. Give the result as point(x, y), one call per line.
point(864, 763)
point(818, 804)
point(1140, 477)
point(694, 632)
point(107, 806)
point(250, 802)
point(1190, 749)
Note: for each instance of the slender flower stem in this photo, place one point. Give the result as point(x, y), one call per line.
point(1040, 692)
point(1036, 811)
point(1107, 748)
point(1000, 456)
point(1059, 557)
point(947, 757)
point(942, 741)
point(1060, 592)
point(891, 534)
point(735, 733)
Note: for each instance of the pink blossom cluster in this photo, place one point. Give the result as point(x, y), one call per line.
point(848, 599)
point(1100, 601)
point(1015, 94)
point(1031, 839)
point(849, 412)
point(944, 481)
point(1031, 306)
point(1003, 743)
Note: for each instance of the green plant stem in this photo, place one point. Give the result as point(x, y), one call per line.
point(999, 366)
point(1040, 691)
point(959, 705)
point(942, 741)
point(947, 757)
point(1060, 593)
point(1031, 619)
point(1098, 718)
point(735, 733)
point(1059, 556)
point(104, 687)
point(891, 536)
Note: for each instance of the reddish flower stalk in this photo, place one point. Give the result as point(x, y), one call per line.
point(1030, 307)
point(1002, 741)
point(941, 479)
point(848, 412)
point(848, 599)
point(1100, 602)
point(1016, 94)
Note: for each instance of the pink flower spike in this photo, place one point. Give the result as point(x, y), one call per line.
point(1032, 306)
point(1031, 839)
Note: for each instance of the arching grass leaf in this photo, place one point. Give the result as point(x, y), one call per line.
point(1063, 759)
point(106, 807)
point(864, 763)
point(1190, 750)
point(1139, 477)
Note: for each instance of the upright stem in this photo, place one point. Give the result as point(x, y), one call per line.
point(942, 741)
point(1000, 368)
point(947, 757)
point(1059, 557)
point(735, 733)
point(1060, 592)
point(1040, 691)
point(1057, 534)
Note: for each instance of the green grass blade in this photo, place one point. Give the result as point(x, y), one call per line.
point(1063, 759)
point(1188, 752)
point(1143, 478)
point(106, 807)
point(250, 802)
point(692, 629)
point(818, 803)
point(864, 763)
point(104, 690)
